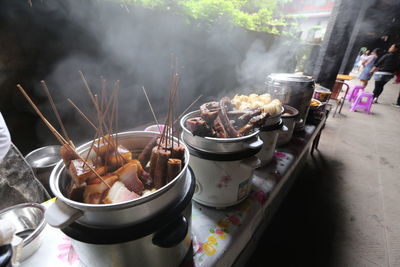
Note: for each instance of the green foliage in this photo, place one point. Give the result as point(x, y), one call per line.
point(256, 15)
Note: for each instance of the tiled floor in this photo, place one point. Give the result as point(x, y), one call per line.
point(344, 209)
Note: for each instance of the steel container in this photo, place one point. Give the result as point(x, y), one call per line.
point(289, 119)
point(65, 211)
point(218, 145)
point(292, 89)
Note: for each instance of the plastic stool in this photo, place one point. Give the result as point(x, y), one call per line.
point(359, 104)
point(354, 90)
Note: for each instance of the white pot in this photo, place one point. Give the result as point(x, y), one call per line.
point(222, 184)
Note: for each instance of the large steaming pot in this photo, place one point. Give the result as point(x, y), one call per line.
point(66, 211)
point(292, 89)
point(223, 166)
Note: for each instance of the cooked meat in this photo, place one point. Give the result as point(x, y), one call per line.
point(199, 127)
point(160, 172)
point(173, 169)
point(178, 152)
point(118, 193)
point(80, 171)
point(104, 145)
point(128, 175)
point(67, 154)
point(116, 160)
point(95, 189)
point(145, 155)
point(209, 112)
point(225, 103)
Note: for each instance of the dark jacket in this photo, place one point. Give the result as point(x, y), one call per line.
point(388, 62)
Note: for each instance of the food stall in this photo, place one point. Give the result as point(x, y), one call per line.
point(229, 162)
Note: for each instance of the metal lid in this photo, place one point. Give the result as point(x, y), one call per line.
point(289, 77)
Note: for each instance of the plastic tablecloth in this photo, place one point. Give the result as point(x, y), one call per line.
point(219, 235)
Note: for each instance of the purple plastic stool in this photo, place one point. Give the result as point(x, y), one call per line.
point(359, 104)
point(354, 90)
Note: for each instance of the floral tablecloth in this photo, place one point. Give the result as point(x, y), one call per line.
point(219, 236)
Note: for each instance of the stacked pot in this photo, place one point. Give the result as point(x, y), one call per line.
point(223, 166)
point(153, 230)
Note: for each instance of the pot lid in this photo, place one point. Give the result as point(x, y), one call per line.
point(289, 77)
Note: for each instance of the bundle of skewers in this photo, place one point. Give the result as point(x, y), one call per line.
point(108, 172)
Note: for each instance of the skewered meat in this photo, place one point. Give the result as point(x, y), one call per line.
point(209, 111)
point(104, 145)
point(225, 103)
point(219, 129)
point(199, 127)
point(153, 160)
point(116, 160)
point(160, 171)
point(67, 154)
point(80, 171)
point(256, 121)
point(242, 120)
point(145, 155)
point(174, 168)
point(95, 189)
point(119, 193)
point(128, 175)
point(75, 192)
point(178, 152)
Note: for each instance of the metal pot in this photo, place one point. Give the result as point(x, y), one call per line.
point(42, 162)
point(223, 166)
point(294, 90)
point(163, 240)
point(289, 119)
point(269, 136)
point(218, 145)
point(274, 118)
point(65, 211)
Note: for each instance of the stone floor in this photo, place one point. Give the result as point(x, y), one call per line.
point(344, 209)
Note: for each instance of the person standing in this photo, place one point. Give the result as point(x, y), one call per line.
point(368, 64)
point(384, 70)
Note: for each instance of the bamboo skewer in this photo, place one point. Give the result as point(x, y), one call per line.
point(46, 89)
point(151, 109)
point(82, 114)
point(57, 134)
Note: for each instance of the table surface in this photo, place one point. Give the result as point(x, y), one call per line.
point(344, 77)
point(219, 235)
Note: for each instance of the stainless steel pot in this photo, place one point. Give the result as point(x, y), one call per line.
point(289, 119)
point(65, 211)
point(162, 241)
point(42, 162)
point(218, 145)
point(269, 136)
point(294, 90)
point(223, 166)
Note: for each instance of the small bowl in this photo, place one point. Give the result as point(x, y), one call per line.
point(155, 128)
point(42, 161)
point(28, 220)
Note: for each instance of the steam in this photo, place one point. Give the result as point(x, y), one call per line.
point(103, 39)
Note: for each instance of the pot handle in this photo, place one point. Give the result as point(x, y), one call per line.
point(252, 162)
point(60, 215)
point(256, 144)
point(172, 234)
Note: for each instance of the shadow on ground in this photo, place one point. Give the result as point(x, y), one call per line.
point(302, 230)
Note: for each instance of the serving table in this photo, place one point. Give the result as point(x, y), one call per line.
point(222, 237)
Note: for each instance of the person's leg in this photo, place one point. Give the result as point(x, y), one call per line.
point(364, 83)
point(378, 88)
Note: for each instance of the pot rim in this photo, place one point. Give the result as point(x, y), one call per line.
point(294, 115)
point(215, 139)
point(60, 170)
point(32, 236)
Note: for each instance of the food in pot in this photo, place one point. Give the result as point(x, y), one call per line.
point(123, 178)
point(222, 120)
point(263, 102)
point(315, 103)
